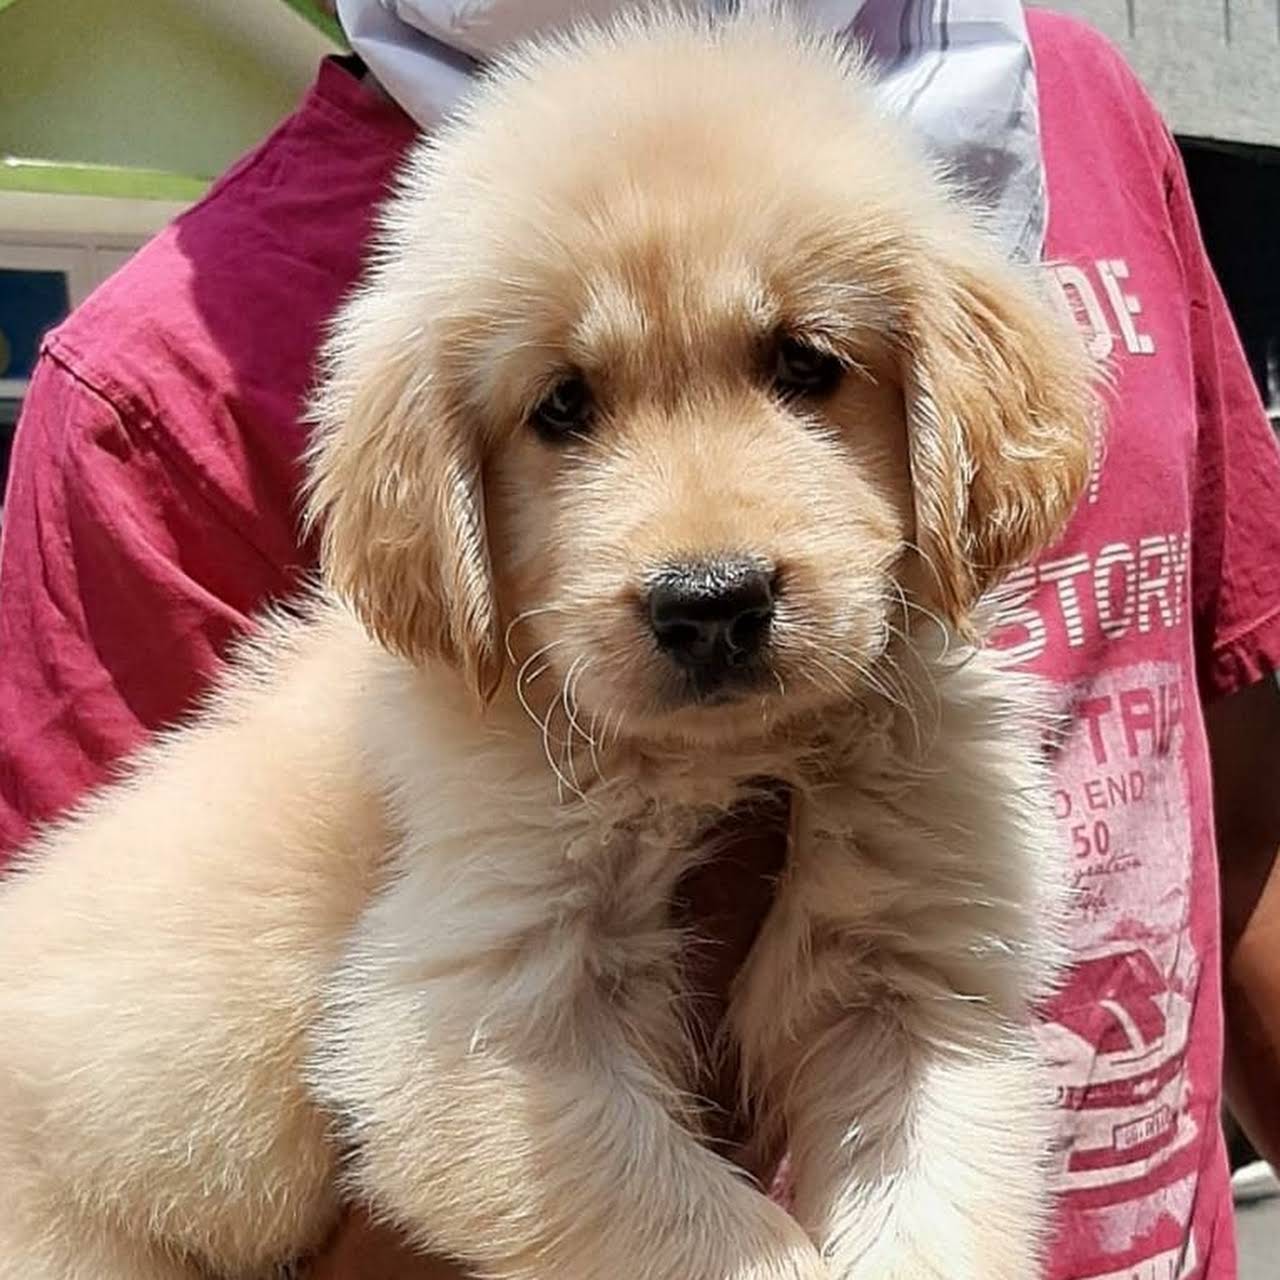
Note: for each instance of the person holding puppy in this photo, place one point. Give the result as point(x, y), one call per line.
point(152, 509)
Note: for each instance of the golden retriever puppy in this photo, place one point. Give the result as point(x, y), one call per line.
point(680, 427)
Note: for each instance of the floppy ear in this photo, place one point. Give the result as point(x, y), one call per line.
point(1002, 415)
point(395, 489)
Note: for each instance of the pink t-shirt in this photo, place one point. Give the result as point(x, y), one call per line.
point(152, 509)
point(1165, 592)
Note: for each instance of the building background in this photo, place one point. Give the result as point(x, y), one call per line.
point(180, 86)
point(114, 116)
point(1212, 65)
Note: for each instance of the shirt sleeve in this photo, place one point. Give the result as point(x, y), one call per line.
point(120, 586)
point(1235, 556)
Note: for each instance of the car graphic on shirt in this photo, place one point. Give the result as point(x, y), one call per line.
point(1117, 1048)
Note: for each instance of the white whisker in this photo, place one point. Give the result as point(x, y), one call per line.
point(521, 680)
point(562, 782)
point(591, 746)
point(524, 617)
point(567, 701)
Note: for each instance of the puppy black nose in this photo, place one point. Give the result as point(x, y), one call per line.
point(712, 616)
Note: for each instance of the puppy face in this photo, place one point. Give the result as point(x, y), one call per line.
point(706, 499)
point(676, 382)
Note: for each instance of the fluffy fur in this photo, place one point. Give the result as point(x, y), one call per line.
point(390, 917)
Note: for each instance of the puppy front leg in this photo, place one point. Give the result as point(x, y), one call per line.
point(913, 1160)
point(505, 1097)
point(913, 1105)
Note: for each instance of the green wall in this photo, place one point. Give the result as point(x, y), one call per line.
point(144, 83)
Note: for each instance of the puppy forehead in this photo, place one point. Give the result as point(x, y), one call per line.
point(709, 194)
point(667, 128)
point(625, 306)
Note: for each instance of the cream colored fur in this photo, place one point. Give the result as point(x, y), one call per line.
point(390, 918)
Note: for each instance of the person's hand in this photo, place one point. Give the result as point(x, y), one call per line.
point(364, 1250)
point(725, 900)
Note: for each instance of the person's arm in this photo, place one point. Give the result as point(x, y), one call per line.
point(363, 1247)
point(1244, 740)
point(1235, 564)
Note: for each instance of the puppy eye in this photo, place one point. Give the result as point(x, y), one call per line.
point(801, 369)
point(565, 410)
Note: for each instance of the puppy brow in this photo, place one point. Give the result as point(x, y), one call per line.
point(612, 318)
point(753, 311)
point(839, 307)
point(846, 320)
point(511, 367)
